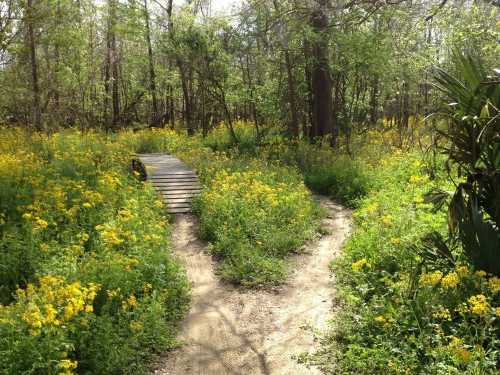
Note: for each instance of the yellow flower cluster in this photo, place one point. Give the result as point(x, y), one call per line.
point(253, 190)
point(480, 274)
point(109, 235)
point(387, 220)
point(418, 179)
point(38, 223)
point(450, 281)
point(442, 313)
point(67, 366)
point(360, 264)
point(478, 304)
point(54, 302)
point(462, 354)
point(494, 284)
point(463, 271)
point(110, 180)
point(130, 302)
point(431, 279)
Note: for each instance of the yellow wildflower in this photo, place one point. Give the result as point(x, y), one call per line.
point(415, 179)
point(455, 341)
point(87, 205)
point(380, 319)
point(387, 220)
point(442, 313)
point(463, 271)
point(431, 279)
point(40, 223)
point(494, 284)
point(110, 237)
point(396, 241)
point(50, 315)
point(480, 273)
point(463, 355)
point(67, 364)
point(497, 311)
point(32, 316)
point(478, 304)
point(372, 208)
point(113, 293)
point(132, 301)
point(450, 281)
point(27, 216)
point(356, 266)
point(135, 326)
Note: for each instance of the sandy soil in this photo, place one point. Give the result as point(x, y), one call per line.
point(235, 331)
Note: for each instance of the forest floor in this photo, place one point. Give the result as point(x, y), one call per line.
point(231, 330)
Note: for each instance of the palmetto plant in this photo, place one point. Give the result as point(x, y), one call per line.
point(472, 102)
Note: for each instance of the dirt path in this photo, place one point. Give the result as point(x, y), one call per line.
point(234, 331)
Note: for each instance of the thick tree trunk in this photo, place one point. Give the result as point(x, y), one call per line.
point(321, 77)
point(152, 74)
point(37, 114)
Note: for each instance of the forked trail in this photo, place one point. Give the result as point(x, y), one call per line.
point(235, 331)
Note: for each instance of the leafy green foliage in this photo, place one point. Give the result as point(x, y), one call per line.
point(474, 147)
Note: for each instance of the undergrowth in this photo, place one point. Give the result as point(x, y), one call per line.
point(403, 311)
point(254, 212)
point(87, 281)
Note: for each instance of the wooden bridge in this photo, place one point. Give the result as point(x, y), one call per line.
point(174, 180)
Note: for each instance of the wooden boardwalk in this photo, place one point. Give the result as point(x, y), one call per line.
point(173, 179)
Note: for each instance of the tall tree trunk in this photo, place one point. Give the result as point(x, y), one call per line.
point(310, 99)
point(293, 126)
point(57, 66)
point(37, 114)
point(170, 89)
point(374, 94)
point(321, 77)
point(107, 79)
point(152, 74)
point(113, 61)
point(188, 111)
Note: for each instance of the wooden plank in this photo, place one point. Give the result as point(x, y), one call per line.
point(177, 184)
point(178, 199)
point(177, 190)
point(174, 180)
point(179, 205)
point(163, 182)
point(167, 173)
point(179, 196)
point(179, 211)
point(170, 179)
point(178, 175)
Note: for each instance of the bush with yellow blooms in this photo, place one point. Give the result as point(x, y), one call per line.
point(87, 281)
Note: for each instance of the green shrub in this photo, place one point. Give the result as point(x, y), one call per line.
point(343, 179)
